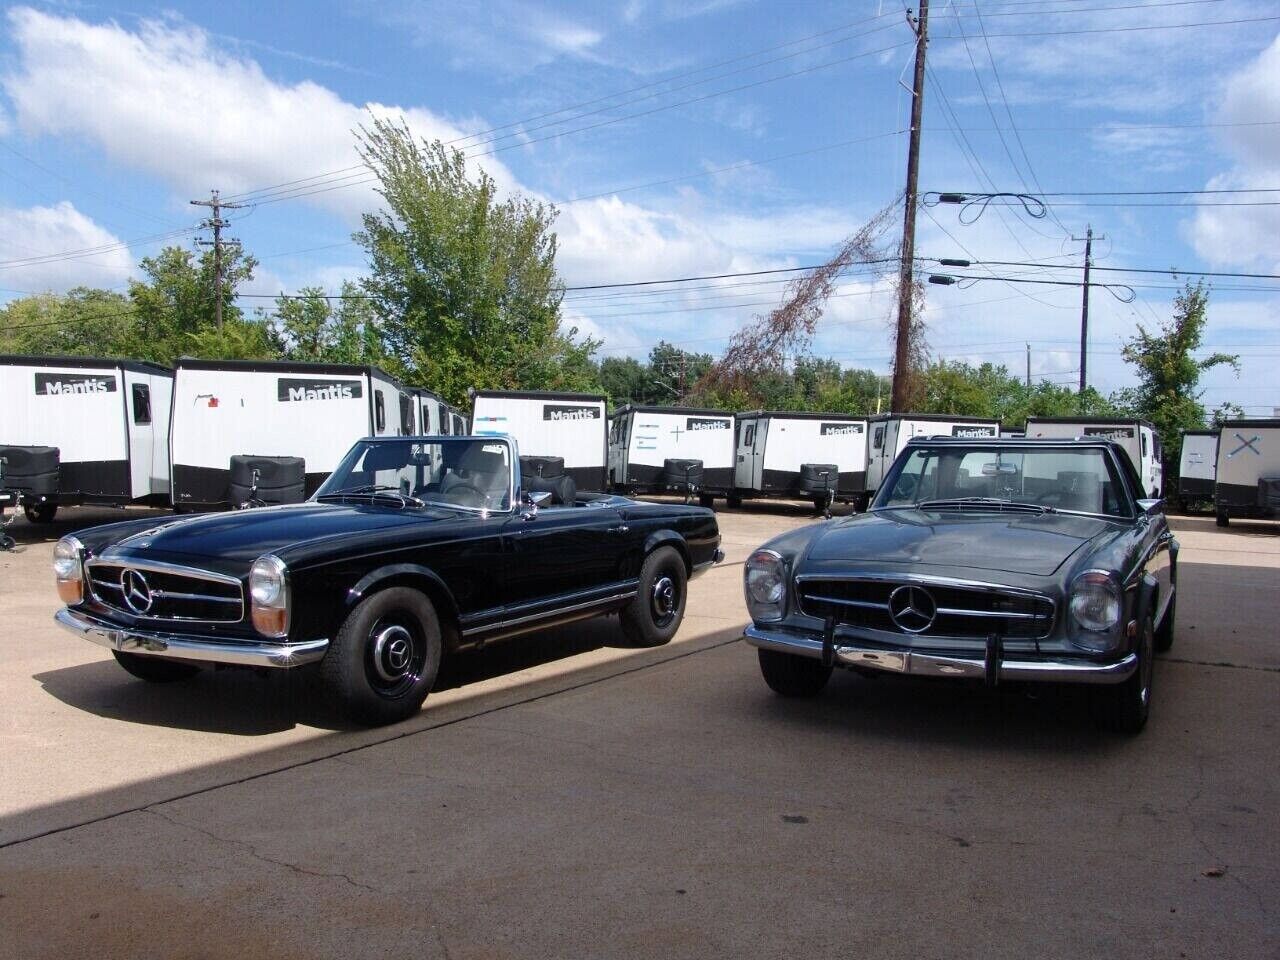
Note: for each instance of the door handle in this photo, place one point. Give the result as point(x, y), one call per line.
point(622, 529)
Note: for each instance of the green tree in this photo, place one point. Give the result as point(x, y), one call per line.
point(464, 284)
point(1168, 391)
point(83, 321)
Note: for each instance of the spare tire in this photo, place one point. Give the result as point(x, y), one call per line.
point(280, 479)
point(562, 489)
point(33, 470)
point(819, 477)
point(542, 466)
point(682, 475)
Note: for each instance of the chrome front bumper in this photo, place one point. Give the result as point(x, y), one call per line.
point(179, 647)
point(851, 654)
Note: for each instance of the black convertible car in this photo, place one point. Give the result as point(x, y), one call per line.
point(413, 548)
point(997, 560)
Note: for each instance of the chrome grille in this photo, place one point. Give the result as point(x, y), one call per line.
point(958, 610)
point(162, 591)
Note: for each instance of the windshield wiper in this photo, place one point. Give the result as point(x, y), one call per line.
point(376, 489)
point(995, 502)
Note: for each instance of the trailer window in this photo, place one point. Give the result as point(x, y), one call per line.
point(877, 441)
point(749, 438)
point(141, 404)
point(406, 416)
point(379, 412)
point(1144, 444)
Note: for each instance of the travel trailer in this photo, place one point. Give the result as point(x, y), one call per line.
point(889, 433)
point(261, 432)
point(1247, 476)
point(567, 429)
point(436, 417)
point(1138, 437)
point(809, 456)
point(78, 430)
point(1198, 466)
point(679, 449)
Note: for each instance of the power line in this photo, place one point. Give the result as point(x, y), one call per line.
point(93, 251)
point(1132, 29)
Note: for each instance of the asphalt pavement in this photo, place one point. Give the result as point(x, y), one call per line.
point(566, 796)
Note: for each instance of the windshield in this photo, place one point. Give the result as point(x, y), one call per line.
point(473, 473)
point(1079, 480)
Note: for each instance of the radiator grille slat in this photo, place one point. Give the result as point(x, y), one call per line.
point(174, 592)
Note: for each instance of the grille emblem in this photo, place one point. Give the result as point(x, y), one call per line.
point(137, 592)
point(912, 609)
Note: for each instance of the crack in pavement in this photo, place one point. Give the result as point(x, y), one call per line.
point(1220, 663)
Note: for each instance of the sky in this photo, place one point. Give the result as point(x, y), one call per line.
point(682, 138)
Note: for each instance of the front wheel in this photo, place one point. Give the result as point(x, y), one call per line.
point(653, 616)
point(793, 676)
point(1164, 635)
point(40, 512)
point(1125, 707)
point(384, 659)
point(154, 669)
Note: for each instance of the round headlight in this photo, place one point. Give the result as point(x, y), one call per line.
point(66, 559)
point(266, 581)
point(1095, 602)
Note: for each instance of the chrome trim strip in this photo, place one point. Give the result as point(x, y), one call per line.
point(915, 663)
point(990, 613)
point(867, 604)
point(549, 614)
point(179, 647)
point(170, 595)
point(160, 566)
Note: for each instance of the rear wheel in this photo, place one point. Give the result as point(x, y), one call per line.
point(154, 669)
point(1125, 707)
point(792, 676)
point(40, 512)
point(654, 615)
point(384, 659)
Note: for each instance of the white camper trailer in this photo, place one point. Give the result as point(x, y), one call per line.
point(657, 449)
point(81, 430)
point(1198, 466)
point(286, 424)
point(566, 431)
point(1247, 480)
point(1138, 437)
point(889, 433)
point(435, 416)
point(808, 456)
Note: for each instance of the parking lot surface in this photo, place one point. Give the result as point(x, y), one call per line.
point(565, 796)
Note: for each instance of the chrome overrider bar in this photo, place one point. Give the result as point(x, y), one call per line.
point(912, 662)
point(179, 647)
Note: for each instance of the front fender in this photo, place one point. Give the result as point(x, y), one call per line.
point(395, 574)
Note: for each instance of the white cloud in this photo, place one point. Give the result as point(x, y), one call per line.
point(36, 231)
point(1245, 236)
point(165, 100)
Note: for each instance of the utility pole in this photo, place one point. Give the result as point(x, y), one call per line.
point(216, 223)
point(906, 276)
point(1028, 366)
point(1084, 312)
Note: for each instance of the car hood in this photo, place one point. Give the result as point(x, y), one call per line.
point(1036, 544)
point(239, 537)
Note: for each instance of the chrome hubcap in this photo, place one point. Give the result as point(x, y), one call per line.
point(392, 652)
point(664, 599)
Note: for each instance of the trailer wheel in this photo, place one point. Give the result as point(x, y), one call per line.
point(706, 500)
point(40, 512)
point(734, 501)
point(1222, 519)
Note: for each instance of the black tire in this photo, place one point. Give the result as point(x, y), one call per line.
point(40, 512)
point(383, 661)
point(654, 615)
point(734, 501)
point(706, 500)
point(1164, 633)
point(154, 669)
point(1124, 707)
point(790, 676)
point(1222, 519)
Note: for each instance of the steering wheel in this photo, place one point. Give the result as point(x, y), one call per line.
point(906, 486)
point(466, 492)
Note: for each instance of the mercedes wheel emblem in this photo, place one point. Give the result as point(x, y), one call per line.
point(912, 608)
point(137, 592)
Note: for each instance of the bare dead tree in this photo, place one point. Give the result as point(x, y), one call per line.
point(762, 346)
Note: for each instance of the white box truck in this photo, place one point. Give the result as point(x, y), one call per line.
point(1198, 465)
point(83, 430)
point(1138, 437)
point(806, 456)
point(259, 431)
point(1247, 480)
point(677, 449)
point(560, 431)
point(889, 433)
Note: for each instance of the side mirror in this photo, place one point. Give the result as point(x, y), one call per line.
point(535, 499)
point(1151, 507)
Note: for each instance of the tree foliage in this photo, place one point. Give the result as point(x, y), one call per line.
point(463, 284)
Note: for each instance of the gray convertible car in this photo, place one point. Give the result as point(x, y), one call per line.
point(998, 560)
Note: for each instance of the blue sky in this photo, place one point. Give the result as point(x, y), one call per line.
point(704, 137)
